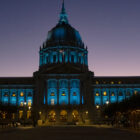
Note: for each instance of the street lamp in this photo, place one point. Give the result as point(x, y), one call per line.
point(107, 102)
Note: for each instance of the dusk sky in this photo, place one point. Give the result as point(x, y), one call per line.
point(110, 29)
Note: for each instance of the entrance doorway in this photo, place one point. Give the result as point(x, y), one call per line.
point(75, 116)
point(52, 116)
point(63, 116)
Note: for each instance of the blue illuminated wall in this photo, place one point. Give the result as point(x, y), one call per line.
point(16, 96)
point(63, 55)
point(112, 95)
point(63, 91)
point(75, 92)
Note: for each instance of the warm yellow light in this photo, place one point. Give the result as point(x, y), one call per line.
point(63, 94)
point(107, 102)
point(119, 82)
point(21, 103)
point(52, 94)
point(97, 106)
point(112, 94)
point(97, 82)
point(135, 92)
point(112, 82)
point(22, 94)
point(20, 114)
point(14, 95)
point(104, 93)
point(97, 94)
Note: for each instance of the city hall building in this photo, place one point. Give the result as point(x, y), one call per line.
point(64, 89)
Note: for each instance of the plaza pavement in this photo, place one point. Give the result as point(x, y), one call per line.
point(68, 133)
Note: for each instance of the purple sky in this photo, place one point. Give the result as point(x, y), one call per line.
point(110, 29)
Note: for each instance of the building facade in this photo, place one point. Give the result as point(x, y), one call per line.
point(64, 89)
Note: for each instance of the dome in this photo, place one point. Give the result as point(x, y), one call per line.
point(64, 34)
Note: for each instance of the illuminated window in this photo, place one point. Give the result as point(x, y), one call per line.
point(63, 94)
point(52, 94)
point(21, 94)
point(28, 114)
point(135, 92)
point(29, 103)
point(6, 94)
point(52, 101)
point(112, 94)
point(112, 82)
point(74, 94)
point(20, 114)
point(104, 93)
point(97, 82)
point(21, 103)
point(14, 94)
point(97, 94)
point(119, 82)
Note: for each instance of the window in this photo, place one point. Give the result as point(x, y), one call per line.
point(112, 94)
point(72, 58)
point(52, 94)
point(29, 103)
point(21, 94)
point(119, 82)
point(21, 103)
point(14, 94)
point(20, 114)
point(52, 101)
point(135, 92)
point(97, 94)
point(97, 82)
point(6, 94)
point(63, 94)
point(104, 93)
point(112, 82)
point(74, 94)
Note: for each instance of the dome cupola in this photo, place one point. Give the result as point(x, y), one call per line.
point(63, 45)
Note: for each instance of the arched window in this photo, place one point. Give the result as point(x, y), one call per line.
point(52, 94)
point(104, 93)
point(14, 94)
point(97, 94)
point(63, 94)
point(6, 94)
point(112, 94)
point(21, 94)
